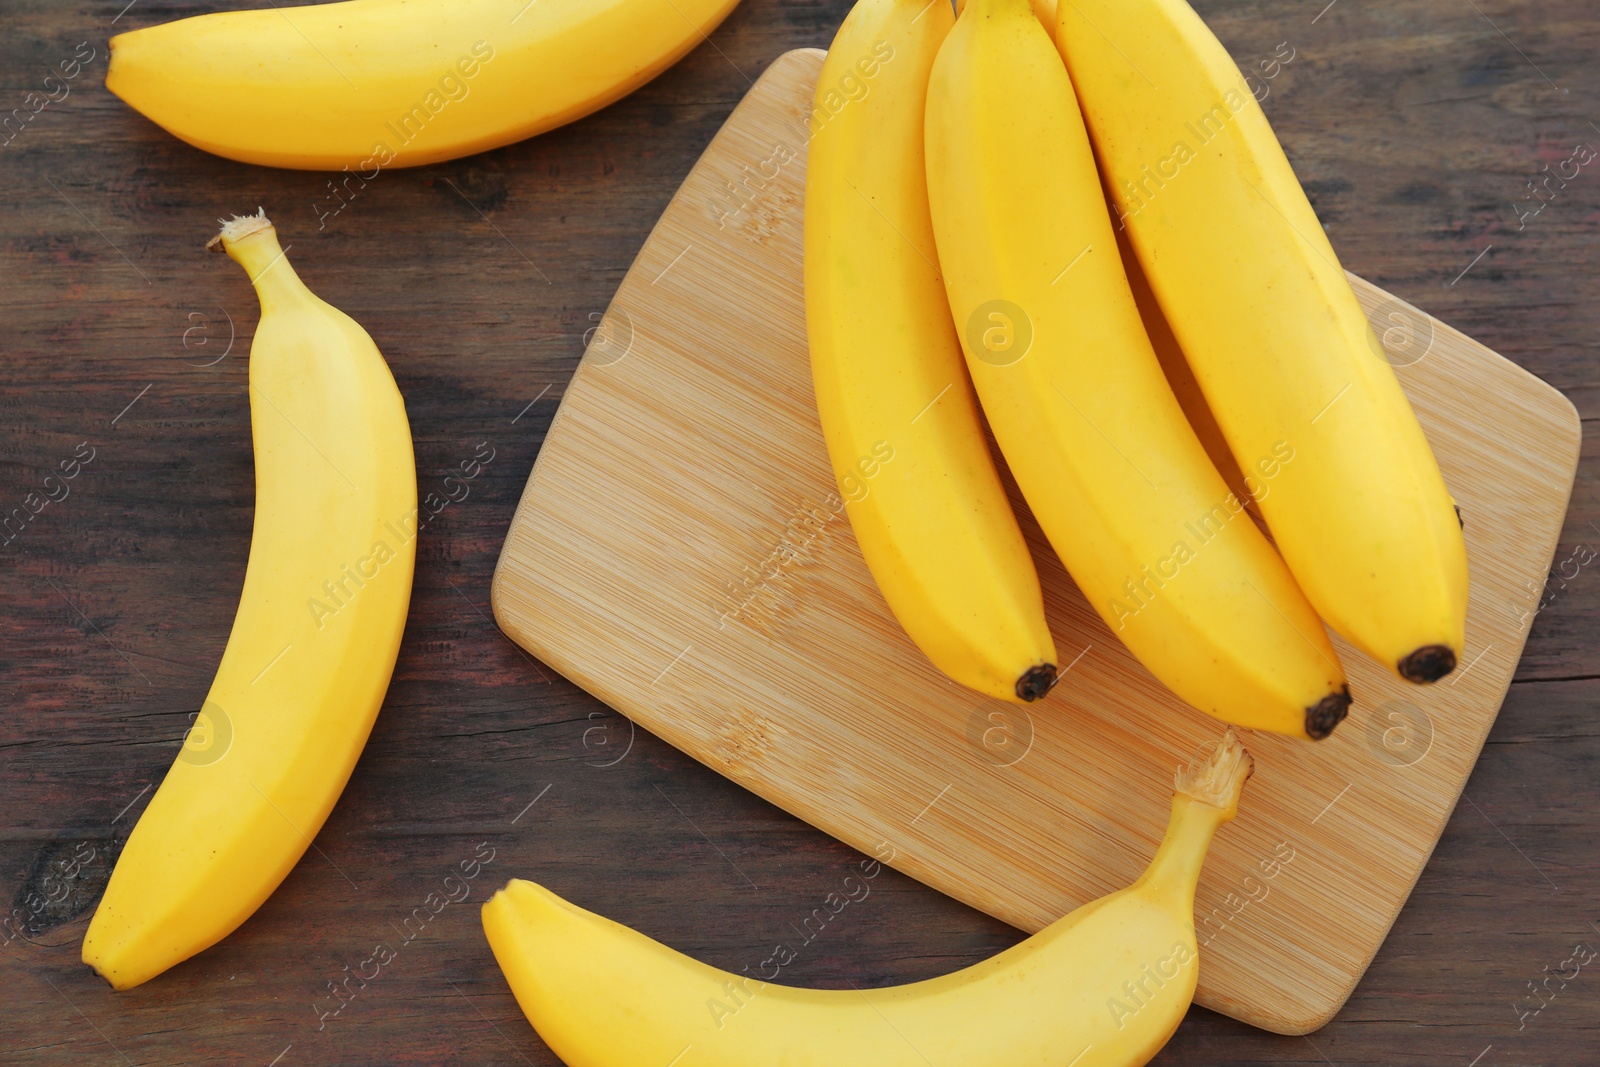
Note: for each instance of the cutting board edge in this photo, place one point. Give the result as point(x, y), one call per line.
point(1560, 401)
point(1288, 1024)
point(1569, 423)
point(793, 55)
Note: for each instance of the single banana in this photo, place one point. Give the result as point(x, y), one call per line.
point(903, 430)
point(313, 644)
point(1077, 400)
point(1272, 329)
point(366, 85)
point(1105, 986)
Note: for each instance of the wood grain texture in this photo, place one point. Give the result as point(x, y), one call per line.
point(1414, 125)
point(681, 553)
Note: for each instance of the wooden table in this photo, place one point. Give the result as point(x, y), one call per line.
point(1415, 125)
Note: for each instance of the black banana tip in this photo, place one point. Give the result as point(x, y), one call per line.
point(1327, 713)
point(1036, 681)
point(1428, 664)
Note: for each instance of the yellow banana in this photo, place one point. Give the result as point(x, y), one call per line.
point(366, 85)
point(902, 427)
point(1105, 986)
point(313, 644)
point(1271, 328)
point(1077, 400)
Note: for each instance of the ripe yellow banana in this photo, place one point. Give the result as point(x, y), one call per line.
point(313, 644)
point(1268, 321)
point(372, 84)
point(902, 427)
point(1077, 400)
point(1105, 986)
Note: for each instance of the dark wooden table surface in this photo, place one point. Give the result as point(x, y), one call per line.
point(1416, 126)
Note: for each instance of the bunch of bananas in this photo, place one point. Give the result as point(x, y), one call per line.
point(959, 241)
point(961, 266)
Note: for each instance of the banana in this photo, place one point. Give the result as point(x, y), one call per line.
point(1104, 986)
point(1077, 400)
point(313, 644)
point(1273, 332)
point(902, 427)
point(366, 85)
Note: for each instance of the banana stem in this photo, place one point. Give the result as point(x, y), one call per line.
point(252, 242)
point(1173, 872)
point(1206, 796)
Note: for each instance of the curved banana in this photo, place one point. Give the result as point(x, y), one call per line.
point(1077, 400)
point(902, 427)
point(1105, 986)
point(1271, 328)
point(366, 85)
point(313, 644)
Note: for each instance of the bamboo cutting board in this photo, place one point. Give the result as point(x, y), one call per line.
point(681, 553)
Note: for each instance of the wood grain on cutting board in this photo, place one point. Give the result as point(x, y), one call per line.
point(681, 552)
